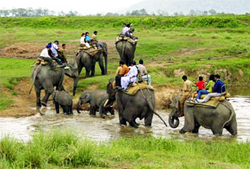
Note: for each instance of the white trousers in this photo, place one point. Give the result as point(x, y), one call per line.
point(147, 78)
point(209, 95)
point(126, 80)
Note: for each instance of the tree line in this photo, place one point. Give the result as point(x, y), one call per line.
point(29, 12)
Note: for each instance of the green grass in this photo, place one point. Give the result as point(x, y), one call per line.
point(61, 148)
point(193, 45)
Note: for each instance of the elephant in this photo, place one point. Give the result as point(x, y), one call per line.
point(126, 50)
point(130, 107)
point(63, 99)
point(97, 100)
point(86, 60)
point(44, 77)
point(72, 72)
point(223, 116)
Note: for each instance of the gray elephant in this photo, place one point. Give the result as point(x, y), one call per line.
point(97, 100)
point(63, 99)
point(126, 50)
point(84, 59)
point(223, 116)
point(72, 72)
point(44, 77)
point(130, 107)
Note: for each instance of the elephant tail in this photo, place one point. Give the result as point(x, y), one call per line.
point(152, 107)
point(36, 71)
point(232, 113)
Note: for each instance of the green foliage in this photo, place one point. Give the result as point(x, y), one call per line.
point(158, 22)
point(61, 148)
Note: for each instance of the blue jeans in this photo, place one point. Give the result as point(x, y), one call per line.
point(201, 92)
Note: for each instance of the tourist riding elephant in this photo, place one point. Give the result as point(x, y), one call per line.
point(97, 100)
point(130, 107)
point(126, 50)
point(44, 77)
point(72, 72)
point(63, 99)
point(84, 59)
point(223, 116)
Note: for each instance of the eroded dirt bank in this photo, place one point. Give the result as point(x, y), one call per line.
point(24, 104)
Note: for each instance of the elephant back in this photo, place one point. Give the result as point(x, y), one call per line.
point(62, 97)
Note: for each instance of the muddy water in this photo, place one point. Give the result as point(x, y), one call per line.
point(106, 129)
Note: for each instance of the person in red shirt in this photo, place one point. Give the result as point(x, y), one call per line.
point(200, 85)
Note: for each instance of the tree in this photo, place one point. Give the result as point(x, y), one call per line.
point(192, 12)
point(212, 11)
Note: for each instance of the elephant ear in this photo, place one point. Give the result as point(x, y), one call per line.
point(85, 97)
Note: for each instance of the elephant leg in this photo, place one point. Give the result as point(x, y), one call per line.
point(48, 92)
point(232, 127)
point(87, 71)
point(64, 109)
point(57, 107)
point(93, 69)
point(112, 111)
point(148, 119)
point(102, 111)
point(92, 110)
point(189, 119)
point(101, 66)
point(196, 128)
point(133, 124)
point(70, 109)
point(38, 99)
point(79, 69)
point(217, 128)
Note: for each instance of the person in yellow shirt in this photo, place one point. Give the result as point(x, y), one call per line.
point(120, 72)
point(187, 91)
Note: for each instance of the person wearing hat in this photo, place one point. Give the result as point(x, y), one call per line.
point(45, 54)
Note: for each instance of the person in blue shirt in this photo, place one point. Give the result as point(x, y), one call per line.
point(218, 89)
point(87, 37)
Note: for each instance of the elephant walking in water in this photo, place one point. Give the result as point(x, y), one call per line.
point(223, 116)
point(126, 50)
point(44, 77)
point(84, 59)
point(96, 100)
point(130, 107)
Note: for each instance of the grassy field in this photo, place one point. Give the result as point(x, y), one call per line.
point(170, 46)
point(65, 149)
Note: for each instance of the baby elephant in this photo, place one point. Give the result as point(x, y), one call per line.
point(63, 99)
point(97, 100)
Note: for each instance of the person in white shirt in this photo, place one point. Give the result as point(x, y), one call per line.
point(131, 77)
point(83, 41)
point(45, 54)
point(143, 72)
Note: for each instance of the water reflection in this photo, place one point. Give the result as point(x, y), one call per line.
point(106, 129)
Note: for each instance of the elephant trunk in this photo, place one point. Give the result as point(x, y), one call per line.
point(78, 106)
point(173, 119)
point(75, 85)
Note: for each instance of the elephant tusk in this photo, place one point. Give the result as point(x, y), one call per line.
point(106, 102)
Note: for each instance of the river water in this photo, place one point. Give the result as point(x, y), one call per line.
point(107, 129)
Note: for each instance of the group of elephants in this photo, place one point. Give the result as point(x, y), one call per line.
point(141, 105)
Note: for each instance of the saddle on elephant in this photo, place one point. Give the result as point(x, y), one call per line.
point(133, 88)
point(124, 38)
point(213, 102)
point(91, 51)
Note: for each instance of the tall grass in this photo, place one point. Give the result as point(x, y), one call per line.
point(65, 149)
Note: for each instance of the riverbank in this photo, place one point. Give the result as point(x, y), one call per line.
point(59, 148)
